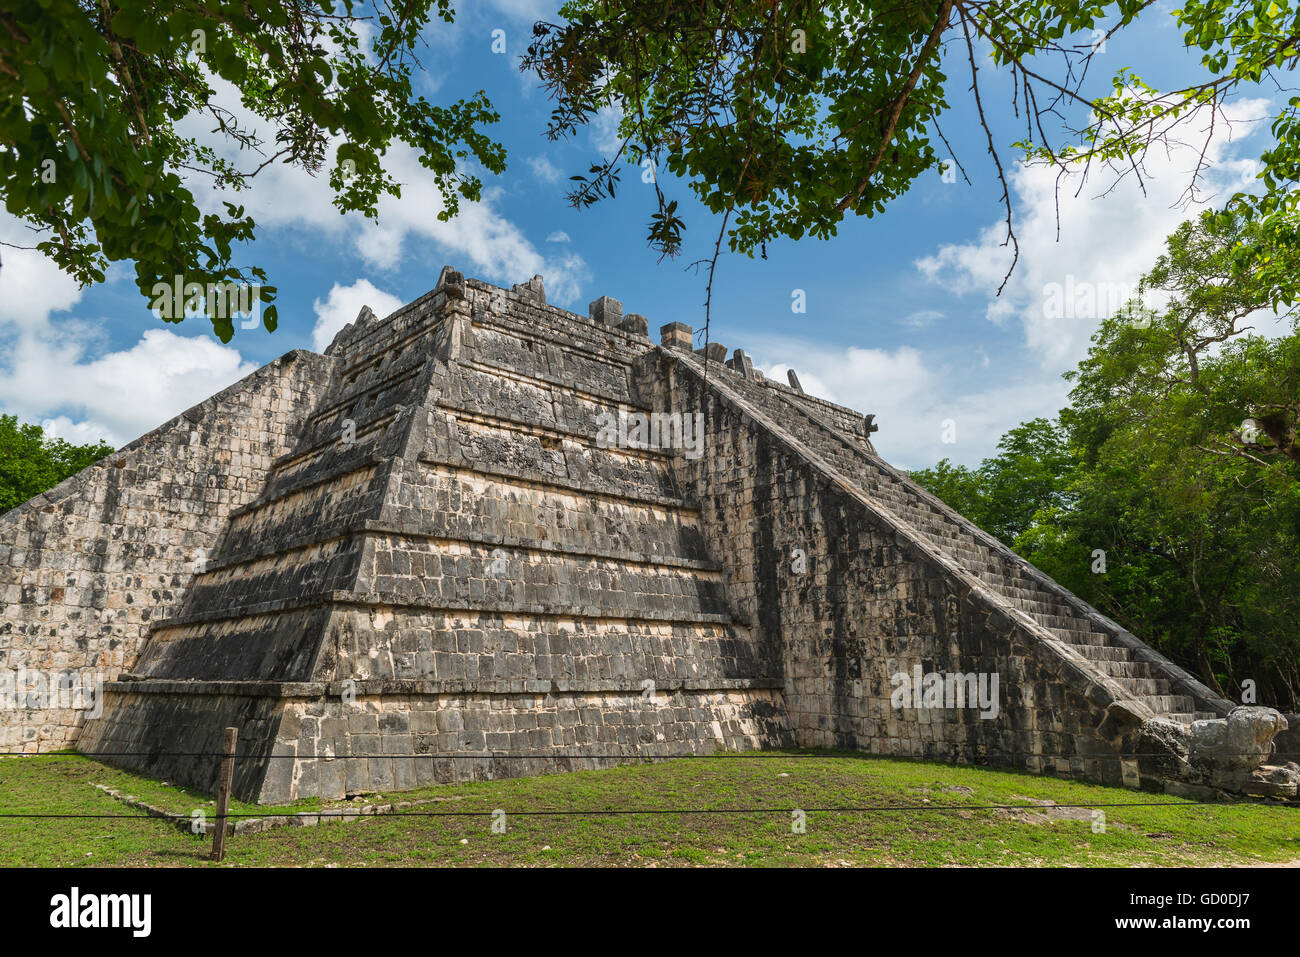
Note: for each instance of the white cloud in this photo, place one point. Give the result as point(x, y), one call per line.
point(922, 318)
point(343, 304)
point(481, 240)
point(77, 433)
point(544, 169)
point(914, 392)
point(603, 133)
point(31, 286)
point(1106, 242)
point(54, 369)
point(119, 395)
point(559, 236)
point(845, 376)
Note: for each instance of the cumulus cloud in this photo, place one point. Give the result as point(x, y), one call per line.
point(925, 411)
point(559, 236)
point(31, 286)
point(1060, 291)
point(55, 369)
point(481, 239)
point(342, 306)
point(602, 132)
point(544, 169)
point(77, 433)
point(118, 395)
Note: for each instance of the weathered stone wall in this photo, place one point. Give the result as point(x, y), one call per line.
point(870, 604)
point(544, 649)
point(400, 740)
point(88, 566)
point(297, 740)
point(435, 567)
point(173, 730)
point(475, 567)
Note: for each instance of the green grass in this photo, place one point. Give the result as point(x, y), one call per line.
point(750, 799)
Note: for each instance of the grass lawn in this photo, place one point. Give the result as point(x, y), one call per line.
point(748, 799)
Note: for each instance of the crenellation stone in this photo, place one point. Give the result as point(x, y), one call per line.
point(739, 362)
point(676, 335)
point(533, 290)
point(636, 324)
point(606, 311)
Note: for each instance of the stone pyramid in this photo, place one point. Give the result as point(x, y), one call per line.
point(479, 538)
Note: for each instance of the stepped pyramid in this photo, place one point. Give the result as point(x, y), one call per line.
point(444, 550)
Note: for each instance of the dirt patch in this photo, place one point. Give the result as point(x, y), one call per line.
point(1044, 812)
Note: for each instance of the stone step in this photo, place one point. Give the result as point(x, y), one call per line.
point(321, 508)
point(671, 614)
point(456, 503)
point(607, 395)
point(1032, 605)
point(998, 572)
point(1168, 704)
point(1001, 572)
point(354, 394)
point(572, 334)
point(424, 569)
point(657, 545)
point(1080, 638)
point(493, 447)
point(411, 327)
point(1145, 687)
point(1105, 652)
point(1126, 669)
point(519, 421)
point(321, 455)
point(1069, 624)
point(621, 491)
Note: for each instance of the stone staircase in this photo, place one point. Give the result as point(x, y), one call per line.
point(1144, 677)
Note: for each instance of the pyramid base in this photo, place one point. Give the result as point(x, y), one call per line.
point(311, 739)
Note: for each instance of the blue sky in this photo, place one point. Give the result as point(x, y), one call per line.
point(901, 317)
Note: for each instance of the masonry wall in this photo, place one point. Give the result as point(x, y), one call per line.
point(871, 604)
point(482, 590)
point(87, 566)
point(396, 740)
